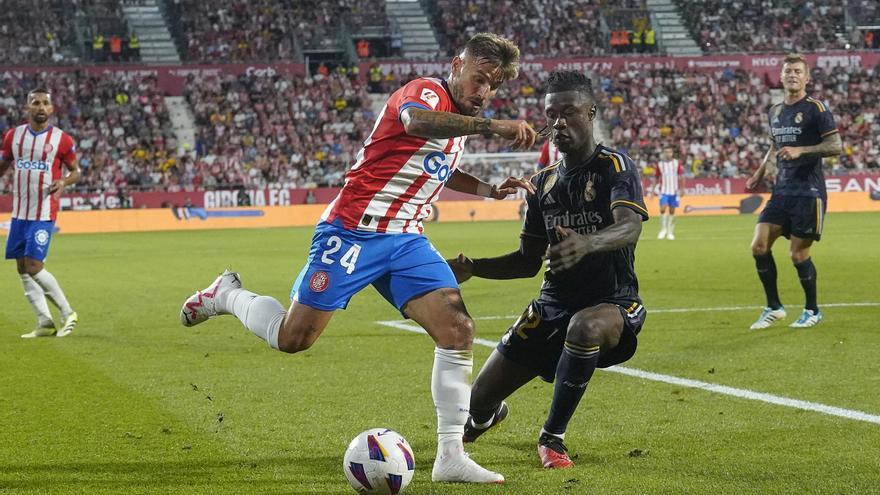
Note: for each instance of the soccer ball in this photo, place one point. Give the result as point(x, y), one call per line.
point(379, 461)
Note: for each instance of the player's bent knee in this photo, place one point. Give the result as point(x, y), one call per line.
point(294, 344)
point(759, 248)
point(586, 329)
point(799, 256)
point(463, 333)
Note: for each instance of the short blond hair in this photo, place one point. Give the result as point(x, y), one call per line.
point(795, 58)
point(496, 50)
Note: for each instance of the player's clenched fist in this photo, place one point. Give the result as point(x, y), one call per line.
point(462, 267)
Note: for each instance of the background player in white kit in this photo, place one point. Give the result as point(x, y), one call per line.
point(371, 235)
point(39, 153)
point(671, 176)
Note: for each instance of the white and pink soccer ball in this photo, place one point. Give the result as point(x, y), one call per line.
point(379, 461)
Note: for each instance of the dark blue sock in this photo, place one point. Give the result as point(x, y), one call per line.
point(767, 273)
point(807, 273)
point(573, 373)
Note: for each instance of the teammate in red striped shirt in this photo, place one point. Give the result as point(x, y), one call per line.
point(39, 153)
point(671, 176)
point(371, 234)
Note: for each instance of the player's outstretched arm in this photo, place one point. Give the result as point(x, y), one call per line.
point(522, 263)
point(573, 247)
point(464, 182)
point(444, 125)
point(831, 145)
point(4, 165)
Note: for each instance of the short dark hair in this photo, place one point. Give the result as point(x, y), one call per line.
point(496, 50)
point(38, 89)
point(569, 80)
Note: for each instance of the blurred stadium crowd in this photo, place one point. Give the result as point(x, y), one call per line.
point(288, 131)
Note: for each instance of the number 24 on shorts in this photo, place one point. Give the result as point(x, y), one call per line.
point(348, 260)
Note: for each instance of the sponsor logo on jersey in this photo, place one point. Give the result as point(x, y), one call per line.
point(430, 97)
point(435, 165)
point(42, 237)
point(39, 166)
point(319, 282)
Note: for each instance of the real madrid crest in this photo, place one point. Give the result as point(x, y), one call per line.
point(799, 118)
point(590, 189)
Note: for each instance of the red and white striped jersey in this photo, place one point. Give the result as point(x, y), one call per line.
point(37, 162)
point(668, 172)
point(549, 155)
point(396, 176)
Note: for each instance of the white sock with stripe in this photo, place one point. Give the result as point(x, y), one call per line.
point(50, 286)
point(35, 295)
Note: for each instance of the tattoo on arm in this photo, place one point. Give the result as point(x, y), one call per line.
point(831, 145)
point(439, 125)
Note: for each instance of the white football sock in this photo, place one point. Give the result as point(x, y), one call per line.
point(35, 295)
point(262, 315)
point(560, 436)
point(451, 389)
point(664, 221)
point(670, 222)
point(51, 288)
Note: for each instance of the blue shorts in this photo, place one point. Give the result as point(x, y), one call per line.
point(29, 238)
point(342, 262)
point(670, 200)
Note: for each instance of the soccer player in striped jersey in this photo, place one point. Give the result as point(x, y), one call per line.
point(803, 132)
point(371, 234)
point(670, 173)
point(39, 154)
point(588, 208)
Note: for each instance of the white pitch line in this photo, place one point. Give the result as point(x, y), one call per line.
point(686, 382)
point(704, 310)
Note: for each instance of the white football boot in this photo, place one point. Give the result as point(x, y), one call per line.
point(458, 467)
point(661, 234)
point(202, 305)
point(69, 324)
point(807, 319)
point(767, 318)
point(40, 331)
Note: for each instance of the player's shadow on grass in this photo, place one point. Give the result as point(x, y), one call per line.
point(260, 475)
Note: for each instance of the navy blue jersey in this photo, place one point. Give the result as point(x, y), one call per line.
point(804, 123)
point(581, 199)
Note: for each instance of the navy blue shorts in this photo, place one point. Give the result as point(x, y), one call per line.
point(29, 238)
point(536, 339)
point(799, 216)
point(343, 262)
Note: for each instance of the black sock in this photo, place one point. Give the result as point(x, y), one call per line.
point(807, 273)
point(482, 416)
point(767, 273)
point(573, 373)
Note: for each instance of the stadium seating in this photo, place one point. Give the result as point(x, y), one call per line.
point(122, 128)
point(719, 121)
point(764, 25)
point(539, 28)
point(44, 32)
point(264, 30)
point(284, 131)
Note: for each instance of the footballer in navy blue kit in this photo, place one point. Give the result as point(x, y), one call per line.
point(588, 208)
point(803, 132)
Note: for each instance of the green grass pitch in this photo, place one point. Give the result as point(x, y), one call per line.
point(133, 403)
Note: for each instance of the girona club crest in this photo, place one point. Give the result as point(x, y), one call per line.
point(48, 148)
point(319, 281)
